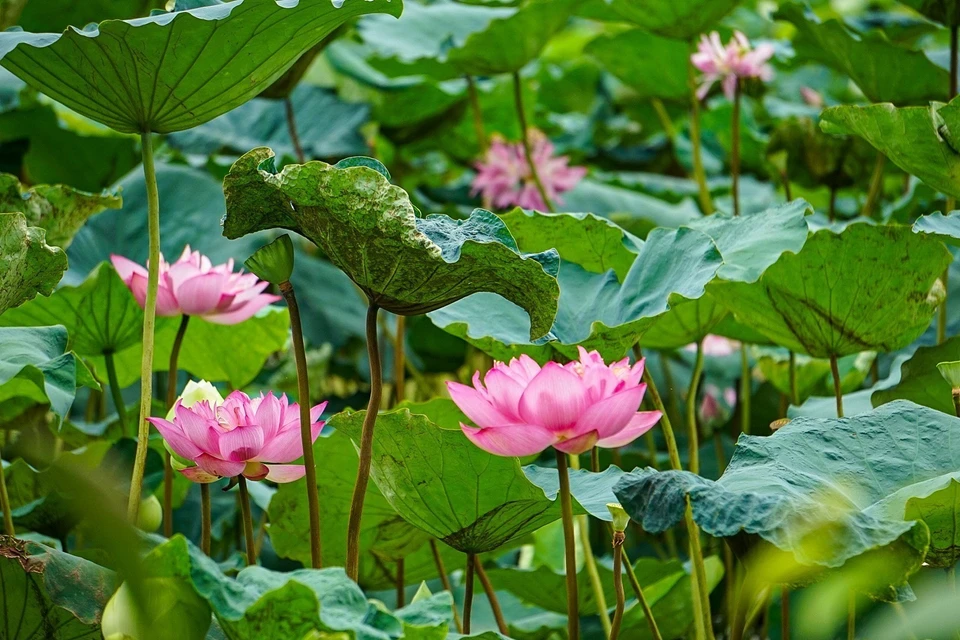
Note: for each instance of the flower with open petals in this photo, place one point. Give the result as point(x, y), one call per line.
point(729, 64)
point(522, 408)
point(193, 286)
point(504, 176)
point(254, 437)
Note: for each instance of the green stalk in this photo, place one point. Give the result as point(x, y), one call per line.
point(468, 592)
point(642, 599)
point(794, 394)
point(292, 128)
point(399, 362)
point(8, 527)
point(832, 207)
point(366, 445)
point(445, 581)
point(618, 538)
point(401, 585)
point(951, 203)
point(665, 122)
point(247, 519)
point(524, 134)
point(566, 507)
point(306, 439)
point(171, 398)
point(735, 151)
point(205, 518)
point(852, 616)
point(149, 324)
point(693, 435)
point(836, 385)
point(876, 186)
point(784, 613)
point(590, 562)
point(115, 390)
point(477, 114)
point(746, 388)
point(491, 596)
point(706, 204)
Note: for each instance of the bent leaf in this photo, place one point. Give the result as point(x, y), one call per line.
point(28, 265)
point(403, 263)
point(174, 71)
point(839, 491)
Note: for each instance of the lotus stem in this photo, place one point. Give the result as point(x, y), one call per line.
point(491, 596)
point(784, 613)
point(641, 598)
point(665, 122)
point(832, 207)
point(445, 581)
point(401, 585)
point(399, 362)
point(942, 312)
point(292, 128)
point(735, 149)
point(478, 127)
point(306, 436)
point(746, 389)
point(951, 202)
point(366, 445)
point(671, 388)
point(876, 186)
point(149, 324)
point(794, 394)
point(590, 562)
point(652, 449)
point(595, 460)
point(852, 616)
point(8, 527)
point(247, 518)
point(718, 450)
point(115, 390)
point(205, 518)
point(706, 204)
point(618, 538)
point(468, 592)
point(693, 435)
point(524, 134)
point(566, 507)
point(835, 368)
point(171, 398)
point(904, 619)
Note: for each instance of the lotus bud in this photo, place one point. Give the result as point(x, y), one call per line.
point(194, 392)
point(620, 517)
point(150, 515)
point(273, 262)
point(951, 373)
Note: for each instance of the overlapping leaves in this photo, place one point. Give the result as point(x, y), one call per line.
point(28, 265)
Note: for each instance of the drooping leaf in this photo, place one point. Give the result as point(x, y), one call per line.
point(37, 368)
point(883, 71)
point(651, 65)
point(126, 75)
point(680, 19)
point(920, 140)
point(368, 228)
point(49, 594)
point(921, 382)
point(865, 288)
point(263, 122)
point(838, 494)
point(28, 265)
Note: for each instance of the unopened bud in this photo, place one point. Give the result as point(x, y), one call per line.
point(273, 262)
point(620, 517)
point(951, 373)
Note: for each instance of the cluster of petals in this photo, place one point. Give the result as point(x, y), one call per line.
point(254, 437)
point(522, 408)
point(504, 177)
point(731, 63)
point(193, 286)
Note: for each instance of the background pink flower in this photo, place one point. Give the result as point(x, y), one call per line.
point(194, 287)
point(504, 177)
point(716, 346)
point(253, 437)
point(522, 408)
point(728, 64)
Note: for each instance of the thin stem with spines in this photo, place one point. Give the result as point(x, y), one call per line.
point(735, 150)
point(837, 390)
point(589, 561)
point(693, 435)
point(746, 389)
point(570, 549)
point(366, 445)
point(491, 596)
point(246, 516)
point(292, 128)
point(618, 584)
point(171, 398)
point(641, 598)
point(149, 326)
point(399, 362)
point(115, 390)
point(206, 520)
point(468, 592)
point(525, 136)
point(445, 581)
point(699, 174)
point(306, 430)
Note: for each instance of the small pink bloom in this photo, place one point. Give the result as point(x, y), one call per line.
point(716, 346)
point(716, 406)
point(812, 97)
point(504, 177)
point(194, 287)
point(253, 437)
point(731, 63)
point(521, 408)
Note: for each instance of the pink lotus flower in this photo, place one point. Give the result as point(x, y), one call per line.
point(521, 408)
point(194, 287)
point(505, 180)
point(812, 97)
point(254, 437)
point(717, 346)
point(716, 406)
point(729, 64)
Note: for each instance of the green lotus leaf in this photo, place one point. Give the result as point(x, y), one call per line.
point(884, 72)
point(939, 510)
point(445, 485)
point(369, 229)
point(920, 140)
point(50, 594)
point(838, 494)
point(946, 12)
point(385, 537)
point(680, 19)
point(945, 227)
point(865, 288)
point(666, 586)
point(37, 368)
point(126, 74)
point(28, 265)
point(102, 317)
point(921, 381)
point(818, 159)
point(651, 65)
point(262, 122)
point(814, 377)
point(56, 15)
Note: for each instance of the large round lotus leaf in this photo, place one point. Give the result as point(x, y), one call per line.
point(920, 140)
point(173, 71)
point(680, 19)
point(866, 288)
point(369, 229)
point(28, 265)
point(823, 490)
point(50, 594)
point(884, 72)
